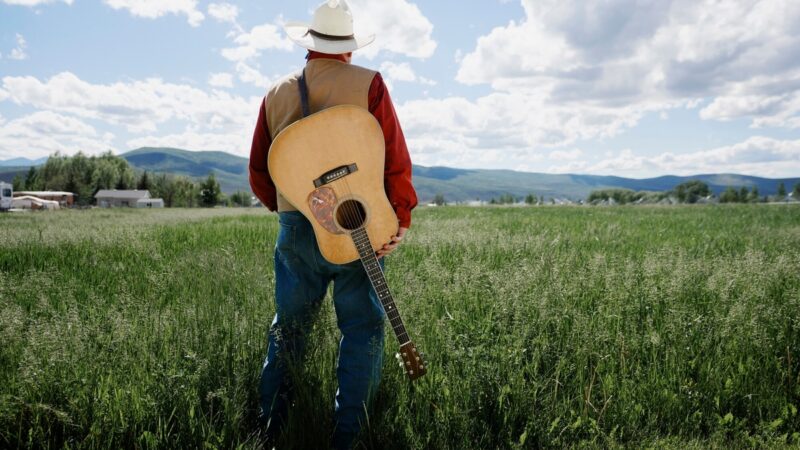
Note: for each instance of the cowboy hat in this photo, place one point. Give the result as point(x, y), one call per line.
point(331, 30)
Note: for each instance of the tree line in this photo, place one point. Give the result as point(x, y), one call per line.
point(689, 192)
point(86, 175)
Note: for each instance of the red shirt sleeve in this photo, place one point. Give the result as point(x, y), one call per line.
point(397, 169)
point(260, 181)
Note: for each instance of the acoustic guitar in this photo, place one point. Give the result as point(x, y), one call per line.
point(329, 165)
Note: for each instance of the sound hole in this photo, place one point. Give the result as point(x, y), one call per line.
point(350, 215)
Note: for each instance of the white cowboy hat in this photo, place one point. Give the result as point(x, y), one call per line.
point(331, 31)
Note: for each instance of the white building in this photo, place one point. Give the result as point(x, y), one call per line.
point(108, 198)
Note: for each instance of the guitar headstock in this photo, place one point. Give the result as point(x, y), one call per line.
point(411, 361)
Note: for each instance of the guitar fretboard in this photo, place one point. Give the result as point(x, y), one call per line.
point(378, 280)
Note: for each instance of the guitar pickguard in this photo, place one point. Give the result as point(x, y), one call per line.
point(322, 202)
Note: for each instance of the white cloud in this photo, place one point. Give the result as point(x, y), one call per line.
point(262, 37)
point(398, 72)
point(573, 70)
point(508, 122)
point(757, 155)
point(770, 100)
point(399, 26)
point(18, 53)
point(44, 132)
point(221, 80)
point(252, 75)
point(34, 2)
point(626, 51)
point(152, 9)
point(212, 120)
point(566, 155)
point(223, 12)
point(393, 72)
point(141, 106)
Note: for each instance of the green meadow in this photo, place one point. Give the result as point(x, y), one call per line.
point(554, 327)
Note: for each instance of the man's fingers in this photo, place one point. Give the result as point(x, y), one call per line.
point(391, 246)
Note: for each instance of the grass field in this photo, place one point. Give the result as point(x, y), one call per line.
point(543, 327)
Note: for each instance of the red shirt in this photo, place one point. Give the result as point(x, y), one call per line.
point(397, 168)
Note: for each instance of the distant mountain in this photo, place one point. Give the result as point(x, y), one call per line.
point(230, 170)
point(23, 162)
point(454, 184)
point(472, 184)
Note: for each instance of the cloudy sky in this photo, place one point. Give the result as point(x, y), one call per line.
point(625, 87)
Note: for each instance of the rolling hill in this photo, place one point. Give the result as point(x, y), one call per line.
point(230, 170)
point(454, 184)
point(457, 185)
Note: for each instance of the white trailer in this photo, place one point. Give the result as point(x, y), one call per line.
point(6, 196)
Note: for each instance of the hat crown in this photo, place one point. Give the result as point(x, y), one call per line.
point(334, 18)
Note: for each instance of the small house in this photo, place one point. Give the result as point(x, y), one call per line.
point(113, 198)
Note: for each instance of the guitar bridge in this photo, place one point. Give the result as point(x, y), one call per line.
point(335, 174)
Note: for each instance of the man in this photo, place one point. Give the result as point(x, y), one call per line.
point(301, 273)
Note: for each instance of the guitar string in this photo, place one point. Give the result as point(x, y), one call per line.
point(355, 216)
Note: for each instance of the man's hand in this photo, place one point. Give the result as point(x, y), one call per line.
point(390, 246)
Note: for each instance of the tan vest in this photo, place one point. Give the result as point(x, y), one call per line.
point(330, 83)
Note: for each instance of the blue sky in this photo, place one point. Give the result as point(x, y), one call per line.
point(620, 87)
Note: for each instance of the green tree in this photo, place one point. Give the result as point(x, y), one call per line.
point(796, 191)
point(210, 191)
point(754, 197)
point(186, 193)
point(18, 183)
point(691, 191)
point(743, 194)
point(163, 187)
point(506, 199)
point(241, 198)
point(530, 199)
point(105, 175)
point(621, 196)
point(438, 200)
point(781, 190)
point(32, 179)
point(730, 195)
point(144, 183)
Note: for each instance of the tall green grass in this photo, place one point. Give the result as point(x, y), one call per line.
point(543, 327)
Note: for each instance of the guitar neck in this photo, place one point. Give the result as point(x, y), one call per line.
point(378, 281)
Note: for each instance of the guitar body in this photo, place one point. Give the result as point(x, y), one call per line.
point(347, 138)
point(329, 166)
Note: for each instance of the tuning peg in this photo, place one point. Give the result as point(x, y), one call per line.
point(422, 367)
point(397, 356)
point(417, 358)
point(411, 372)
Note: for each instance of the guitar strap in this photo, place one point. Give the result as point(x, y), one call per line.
point(301, 82)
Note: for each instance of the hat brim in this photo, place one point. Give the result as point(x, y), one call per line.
point(298, 33)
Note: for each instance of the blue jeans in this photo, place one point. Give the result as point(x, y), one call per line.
point(302, 276)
